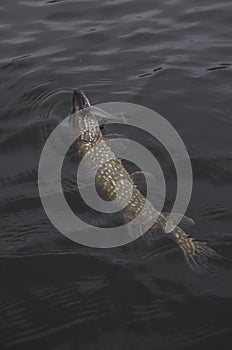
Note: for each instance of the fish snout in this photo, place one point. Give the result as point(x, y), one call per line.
point(80, 101)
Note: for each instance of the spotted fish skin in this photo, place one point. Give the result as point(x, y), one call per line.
point(109, 175)
point(111, 172)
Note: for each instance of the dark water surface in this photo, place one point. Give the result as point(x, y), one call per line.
point(173, 56)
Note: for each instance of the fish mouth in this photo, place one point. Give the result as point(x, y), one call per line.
point(80, 101)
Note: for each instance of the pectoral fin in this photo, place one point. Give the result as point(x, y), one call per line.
point(103, 114)
point(114, 136)
point(139, 177)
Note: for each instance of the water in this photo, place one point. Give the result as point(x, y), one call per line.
point(172, 56)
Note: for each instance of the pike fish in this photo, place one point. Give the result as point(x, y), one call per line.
point(109, 176)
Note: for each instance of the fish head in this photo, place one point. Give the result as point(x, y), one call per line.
point(80, 101)
point(85, 120)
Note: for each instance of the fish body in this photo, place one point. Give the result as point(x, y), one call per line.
point(110, 176)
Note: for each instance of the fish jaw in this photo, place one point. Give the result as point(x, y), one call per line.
point(80, 101)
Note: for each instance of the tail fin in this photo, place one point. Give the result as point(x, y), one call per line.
point(198, 257)
point(197, 254)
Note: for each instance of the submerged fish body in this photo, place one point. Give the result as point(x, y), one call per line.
point(109, 183)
